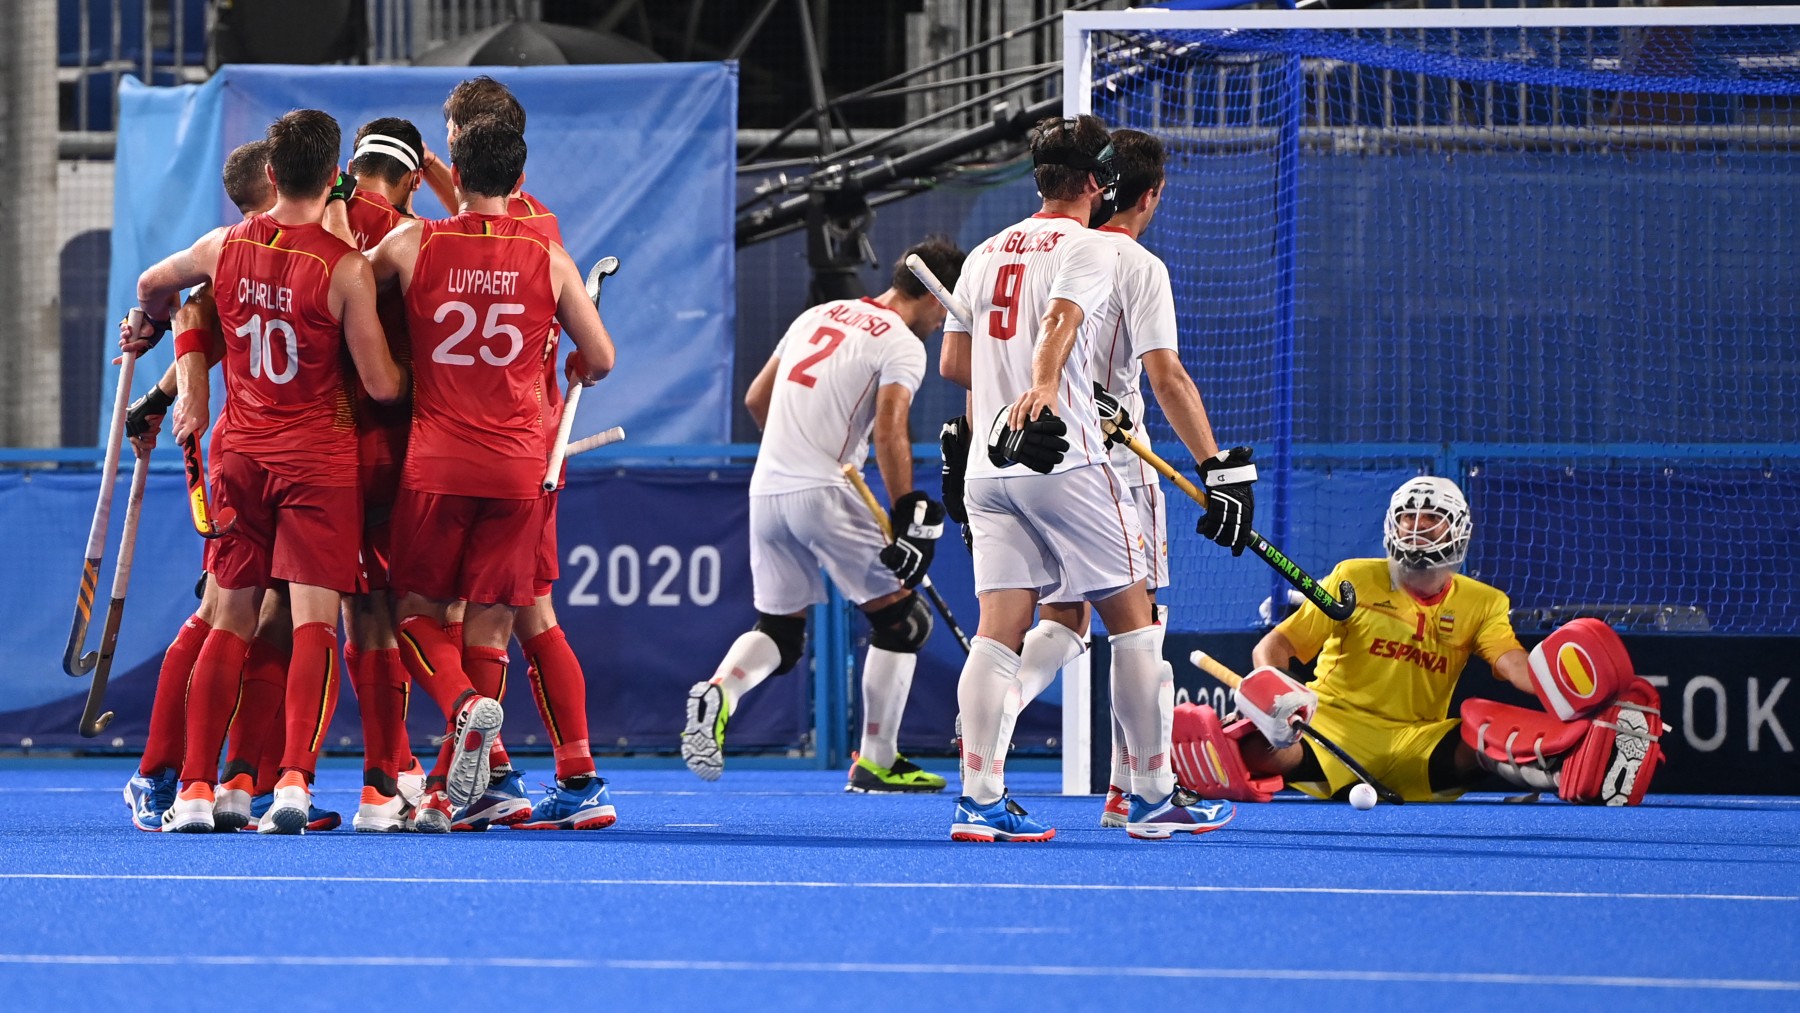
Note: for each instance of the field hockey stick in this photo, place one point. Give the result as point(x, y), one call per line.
point(1218, 670)
point(887, 532)
point(929, 279)
point(74, 662)
point(1338, 608)
point(559, 451)
point(596, 441)
point(93, 722)
point(206, 522)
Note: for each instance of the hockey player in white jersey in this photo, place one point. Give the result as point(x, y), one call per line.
point(1046, 508)
point(844, 369)
point(1138, 340)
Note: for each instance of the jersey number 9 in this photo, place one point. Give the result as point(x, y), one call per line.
point(1003, 323)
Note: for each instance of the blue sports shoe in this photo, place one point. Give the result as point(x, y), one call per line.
point(503, 804)
point(586, 808)
point(1005, 820)
point(150, 797)
point(1183, 812)
point(317, 819)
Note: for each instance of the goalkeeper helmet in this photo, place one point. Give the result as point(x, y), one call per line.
point(1427, 525)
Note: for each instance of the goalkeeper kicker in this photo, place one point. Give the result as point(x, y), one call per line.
point(1386, 674)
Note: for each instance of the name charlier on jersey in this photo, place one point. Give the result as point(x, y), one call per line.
point(1430, 661)
point(1026, 242)
point(848, 315)
point(480, 282)
point(263, 295)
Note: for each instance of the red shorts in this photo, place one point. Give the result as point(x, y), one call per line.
point(547, 570)
point(285, 530)
point(380, 485)
point(465, 547)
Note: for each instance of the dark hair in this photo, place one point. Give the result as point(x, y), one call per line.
point(303, 152)
point(480, 97)
point(940, 254)
point(383, 166)
point(1138, 157)
point(1065, 138)
point(490, 155)
point(246, 184)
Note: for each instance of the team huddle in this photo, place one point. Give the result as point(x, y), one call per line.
point(391, 393)
point(391, 398)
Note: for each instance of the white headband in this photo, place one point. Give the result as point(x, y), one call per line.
point(381, 144)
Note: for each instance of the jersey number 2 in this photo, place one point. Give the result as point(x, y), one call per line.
point(831, 338)
point(1003, 323)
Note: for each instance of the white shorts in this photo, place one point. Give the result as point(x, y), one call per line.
point(1074, 533)
point(1153, 524)
point(793, 534)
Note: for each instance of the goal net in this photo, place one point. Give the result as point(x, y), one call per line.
point(1553, 254)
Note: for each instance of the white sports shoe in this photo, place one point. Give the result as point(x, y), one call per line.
point(231, 804)
point(288, 813)
point(379, 814)
point(412, 783)
point(192, 812)
point(474, 728)
point(703, 740)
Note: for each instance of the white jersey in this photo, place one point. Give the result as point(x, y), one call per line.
point(834, 357)
point(1140, 318)
point(1008, 283)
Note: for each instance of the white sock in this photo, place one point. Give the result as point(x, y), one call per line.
point(1121, 757)
point(753, 657)
point(1048, 647)
point(1143, 699)
point(989, 699)
point(887, 679)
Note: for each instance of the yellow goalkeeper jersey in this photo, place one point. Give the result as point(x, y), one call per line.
point(1397, 658)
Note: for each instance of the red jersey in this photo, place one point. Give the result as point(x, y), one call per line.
point(528, 209)
point(383, 426)
point(287, 405)
point(479, 307)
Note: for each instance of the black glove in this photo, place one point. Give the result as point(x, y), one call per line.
point(1115, 421)
point(1230, 504)
point(343, 188)
point(918, 522)
point(146, 413)
point(1039, 445)
point(953, 440)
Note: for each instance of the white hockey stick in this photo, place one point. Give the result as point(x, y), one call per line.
point(944, 295)
point(600, 439)
point(563, 425)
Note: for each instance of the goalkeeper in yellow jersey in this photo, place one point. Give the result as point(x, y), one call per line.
point(1386, 674)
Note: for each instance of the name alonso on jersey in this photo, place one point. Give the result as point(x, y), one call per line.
point(849, 316)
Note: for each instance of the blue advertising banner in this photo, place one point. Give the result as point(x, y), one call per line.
point(637, 161)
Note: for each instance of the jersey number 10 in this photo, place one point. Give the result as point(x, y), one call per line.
point(261, 338)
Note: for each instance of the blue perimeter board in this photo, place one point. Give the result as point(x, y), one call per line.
point(775, 890)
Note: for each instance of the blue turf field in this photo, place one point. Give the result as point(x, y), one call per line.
point(774, 890)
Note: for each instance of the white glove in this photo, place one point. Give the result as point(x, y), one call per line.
point(1271, 699)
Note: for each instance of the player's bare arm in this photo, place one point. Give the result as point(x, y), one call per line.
point(761, 392)
point(954, 359)
point(1275, 650)
point(893, 443)
point(353, 300)
point(393, 258)
point(191, 372)
point(1515, 667)
point(437, 177)
point(1180, 401)
point(158, 287)
point(1057, 338)
point(576, 312)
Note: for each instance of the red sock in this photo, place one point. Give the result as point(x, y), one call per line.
point(274, 743)
point(400, 684)
point(434, 662)
point(454, 632)
point(378, 700)
point(168, 715)
point(211, 700)
point(487, 673)
point(258, 720)
point(312, 695)
point(561, 693)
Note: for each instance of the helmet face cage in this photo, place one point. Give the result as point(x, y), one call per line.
point(1427, 525)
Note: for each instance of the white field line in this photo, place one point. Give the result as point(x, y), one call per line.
point(1110, 971)
point(147, 877)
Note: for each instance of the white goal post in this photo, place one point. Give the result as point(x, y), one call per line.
point(1083, 45)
